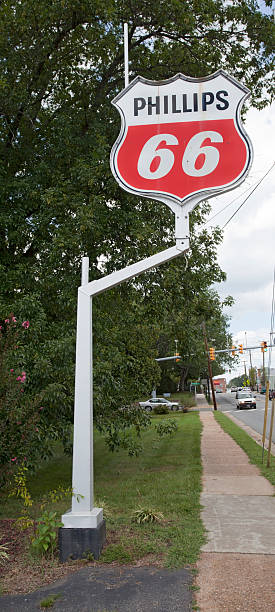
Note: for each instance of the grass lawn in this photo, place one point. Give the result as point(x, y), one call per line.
point(252, 449)
point(166, 478)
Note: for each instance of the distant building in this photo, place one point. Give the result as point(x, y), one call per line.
point(220, 384)
point(271, 378)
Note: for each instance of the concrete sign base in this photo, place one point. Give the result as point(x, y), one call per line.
point(76, 543)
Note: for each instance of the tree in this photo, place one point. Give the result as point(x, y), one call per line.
point(238, 381)
point(62, 63)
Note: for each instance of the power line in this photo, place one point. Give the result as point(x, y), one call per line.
point(232, 202)
point(259, 182)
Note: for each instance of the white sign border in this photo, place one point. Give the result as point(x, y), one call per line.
point(192, 199)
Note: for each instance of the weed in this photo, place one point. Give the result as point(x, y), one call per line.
point(194, 587)
point(3, 554)
point(101, 503)
point(146, 515)
point(49, 601)
point(44, 540)
point(88, 556)
point(116, 552)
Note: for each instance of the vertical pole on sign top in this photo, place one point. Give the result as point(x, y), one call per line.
point(126, 55)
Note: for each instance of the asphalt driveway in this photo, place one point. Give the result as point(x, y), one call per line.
point(115, 589)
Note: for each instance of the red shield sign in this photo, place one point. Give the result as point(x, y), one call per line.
point(181, 138)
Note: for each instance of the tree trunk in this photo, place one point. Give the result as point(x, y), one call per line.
point(183, 376)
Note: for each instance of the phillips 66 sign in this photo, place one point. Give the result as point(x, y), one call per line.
point(181, 138)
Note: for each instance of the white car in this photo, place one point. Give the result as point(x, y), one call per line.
point(245, 399)
point(159, 401)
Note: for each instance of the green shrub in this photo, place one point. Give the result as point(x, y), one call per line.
point(161, 409)
point(166, 428)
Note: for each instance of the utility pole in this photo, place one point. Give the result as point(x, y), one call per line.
point(263, 371)
point(250, 359)
point(209, 366)
point(244, 362)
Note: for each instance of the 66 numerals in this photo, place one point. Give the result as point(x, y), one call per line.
point(155, 163)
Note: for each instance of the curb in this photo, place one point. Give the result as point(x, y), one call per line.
point(252, 433)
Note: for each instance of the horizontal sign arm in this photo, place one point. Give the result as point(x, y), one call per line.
point(111, 280)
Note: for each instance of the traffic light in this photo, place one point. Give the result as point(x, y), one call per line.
point(233, 350)
point(240, 349)
point(264, 346)
point(178, 357)
point(212, 353)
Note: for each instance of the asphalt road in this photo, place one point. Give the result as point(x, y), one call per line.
point(226, 402)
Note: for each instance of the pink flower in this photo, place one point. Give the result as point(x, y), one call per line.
point(1, 327)
point(12, 370)
point(36, 429)
point(22, 378)
point(41, 408)
point(14, 459)
point(26, 324)
point(7, 320)
point(13, 319)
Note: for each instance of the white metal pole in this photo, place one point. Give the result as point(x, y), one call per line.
point(85, 271)
point(126, 55)
point(83, 513)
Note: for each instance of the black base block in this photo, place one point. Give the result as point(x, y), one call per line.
point(77, 543)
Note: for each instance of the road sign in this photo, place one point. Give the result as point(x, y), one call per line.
point(181, 138)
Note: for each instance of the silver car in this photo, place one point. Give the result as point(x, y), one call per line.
point(159, 401)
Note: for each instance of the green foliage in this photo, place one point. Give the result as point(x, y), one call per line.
point(186, 399)
point(45, 540)
point(166, 427)
point(161, 409)
point(167, 384)
point(20, 487)
point(146, 515)
point(20, 413)
point(126, 484)
point(49, 601)
point(238, 381)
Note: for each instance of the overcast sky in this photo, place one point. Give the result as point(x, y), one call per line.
point(247, 253)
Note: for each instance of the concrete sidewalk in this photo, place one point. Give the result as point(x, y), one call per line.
point(237, 565)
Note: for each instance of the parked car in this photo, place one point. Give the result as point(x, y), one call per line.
point(234, 389)
point(159, 401)
point(245, 399)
